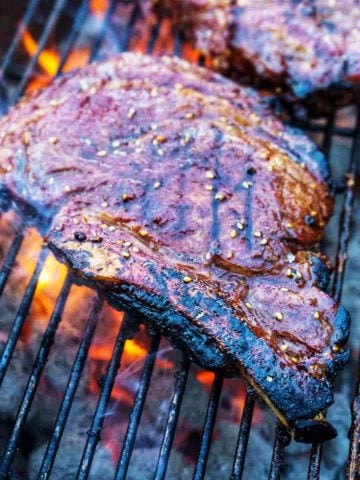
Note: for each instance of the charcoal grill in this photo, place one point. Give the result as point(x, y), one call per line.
point(13, 82)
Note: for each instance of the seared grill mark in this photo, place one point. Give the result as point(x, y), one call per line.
point(180, 225)
point(248, 207)
point(215, 225)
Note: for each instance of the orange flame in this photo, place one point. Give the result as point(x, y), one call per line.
point(48, 288)
point(189, 53)
point(99, 7)
point(49, 285)
point(205, 378)
point(122, 395)
point(77, 58)
point(132, 351)
point(49, 60)
point(50, 280)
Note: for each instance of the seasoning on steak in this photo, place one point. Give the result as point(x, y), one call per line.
point(304, 49)
point(182, 199)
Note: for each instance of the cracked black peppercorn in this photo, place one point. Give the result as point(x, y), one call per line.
point(310, 220)
point(80, 236)
point(251, 171)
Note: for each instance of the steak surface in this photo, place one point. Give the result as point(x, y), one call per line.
point(303, 49)
point(180, 197)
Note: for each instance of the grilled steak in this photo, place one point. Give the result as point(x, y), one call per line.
point(304, 49)
point(182, 199)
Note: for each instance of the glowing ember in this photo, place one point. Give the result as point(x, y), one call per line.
point(189, 53)
point(205, 378)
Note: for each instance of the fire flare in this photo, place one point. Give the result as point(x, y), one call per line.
point(49, 60)
point(99, 7)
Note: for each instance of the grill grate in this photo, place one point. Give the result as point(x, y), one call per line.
point(345, 193)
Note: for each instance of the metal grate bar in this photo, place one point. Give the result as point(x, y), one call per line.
point(10, 259)
point(29, 13)
point(347, 132)
point(315, 461)
point(341, 256)
point(70, 391)
point(124, 45)
point(94, 434)
point(155, 30)
point(164, 455)
point(135, 415)
point(353, 465)
point(101, 35)
point(316, 448)
point(21, 316)
point(31, 387)
point(352, 469)
point(75, 30)
point(243, 437)
point(346, 216)
point(53, 18)
point(282, 440)
point(328, 134)
point(208, 428)
point(179, 41)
